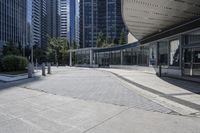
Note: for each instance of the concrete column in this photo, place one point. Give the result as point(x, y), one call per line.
point(43, 70)
point(121, 55)
point(91, 58)
point(30, 70)
point(70, 59)
point(49, 68)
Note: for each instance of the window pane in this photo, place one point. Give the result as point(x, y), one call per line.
point(174, 53)
point(163, 50)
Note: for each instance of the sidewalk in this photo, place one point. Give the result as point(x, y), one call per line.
point(179, 95)
point(12, 78)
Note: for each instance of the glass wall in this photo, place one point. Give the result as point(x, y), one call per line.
point(115, 58)
point(126, 56)
point(191, 52)
point(143, 56)
point(81, 57)
point(163, 52)
point(174, 53)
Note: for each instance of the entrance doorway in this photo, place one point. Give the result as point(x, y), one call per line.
point(191, 65)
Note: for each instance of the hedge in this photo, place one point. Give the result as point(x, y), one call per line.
point(14, 63)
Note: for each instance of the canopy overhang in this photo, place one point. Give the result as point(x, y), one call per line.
point(145, 18)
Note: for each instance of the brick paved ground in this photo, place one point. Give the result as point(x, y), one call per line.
point(74, 100)
point(89, 84)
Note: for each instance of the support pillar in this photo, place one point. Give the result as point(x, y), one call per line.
point(43, 70)
point(70, 59)
point(121, 57)
point(30, 70)
point(49, 68)
point(91, 58)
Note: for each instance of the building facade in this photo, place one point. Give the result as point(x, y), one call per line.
point(64, 20)
point(53, 18)
point(12, 22)
point(88, 23)
point(77, 20)
point(172, 34)
point(168, 40)
point(39, 23)
point(43, 24)
point(72, 22)
point(29, 23)
point(100, 16)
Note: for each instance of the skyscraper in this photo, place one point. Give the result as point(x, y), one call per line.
point(39, 23)
point(88, 23)
point(43, 24)
point(77, 23)
point(53, 18)
point(64, 21)
point(12, 21)
point(100, 16)
point(29, 23)
point(72, 22)
point(36, 22)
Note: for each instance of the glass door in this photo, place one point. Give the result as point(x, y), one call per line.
point(196, 62)
point(187, 62)
point(191, 62)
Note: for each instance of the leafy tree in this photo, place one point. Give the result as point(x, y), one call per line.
point(57, 50)
point(75, 45)
point(64, 47)
point(39, 54)
point(122, 38)
point(11, 49)
point(100, 40)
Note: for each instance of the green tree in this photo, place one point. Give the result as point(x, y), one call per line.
point(57, 50)
point(64, 47)
point(75, 45)
point(100, 40)
point(10, 49)
point(39, 54)
point(122, 38)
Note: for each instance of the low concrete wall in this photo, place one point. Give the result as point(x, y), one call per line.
point(150, 69)
point(139, 68)
point(171, 72)
point(86, 65)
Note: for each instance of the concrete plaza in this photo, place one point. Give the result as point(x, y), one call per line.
point(80, 100)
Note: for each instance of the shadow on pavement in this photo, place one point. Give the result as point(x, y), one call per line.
point(187, 85)
point(9, 85)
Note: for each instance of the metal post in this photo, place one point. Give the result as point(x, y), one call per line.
point(43, 70)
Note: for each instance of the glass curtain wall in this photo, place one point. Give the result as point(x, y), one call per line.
point(163, 53)
point(82, 57)
point(174, 53)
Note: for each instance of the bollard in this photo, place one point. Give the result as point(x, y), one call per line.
point(30, 70)
point(160, 70)
point(49, 68)
point(43, 70)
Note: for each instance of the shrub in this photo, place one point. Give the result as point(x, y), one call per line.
point(14, 63)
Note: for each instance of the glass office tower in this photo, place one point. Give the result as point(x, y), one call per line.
point(100, 16)
point(53, 18)
point(12, 22)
